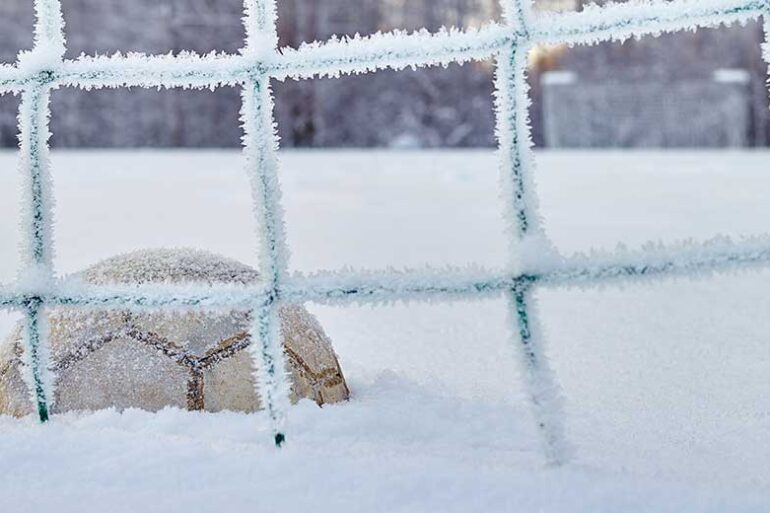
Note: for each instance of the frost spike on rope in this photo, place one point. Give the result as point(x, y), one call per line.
point(259, 137)
point(523, 220)
point(35, 341)
point(518, 16)
point(395, 50)
point(260, 143)
point(34, 114)
point(620, 21)
point(49, 28)
point(35, 169)
point(688, 260)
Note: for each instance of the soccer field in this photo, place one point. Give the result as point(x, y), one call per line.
point(665, 382)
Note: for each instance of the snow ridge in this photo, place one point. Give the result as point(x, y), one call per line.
point(534, 262)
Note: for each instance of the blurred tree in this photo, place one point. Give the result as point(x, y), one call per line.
point(428, 107)
point(681, 56)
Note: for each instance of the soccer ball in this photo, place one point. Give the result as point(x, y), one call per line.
point(149, 360)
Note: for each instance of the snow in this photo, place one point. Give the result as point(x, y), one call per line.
point(43, 69)
point(663, 382)
point(174, 461)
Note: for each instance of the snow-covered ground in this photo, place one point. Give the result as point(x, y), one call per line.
point(665, 382)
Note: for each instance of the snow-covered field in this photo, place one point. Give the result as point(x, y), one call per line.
point(665, 382)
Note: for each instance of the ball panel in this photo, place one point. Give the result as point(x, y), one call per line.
point(122, 374)
point(230, 385)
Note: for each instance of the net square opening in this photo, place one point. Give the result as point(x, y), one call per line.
point(662, 367)
point(353, 204)
point(113, 201)
point(390, 215)
point(17, 21)
point(461, 348)
point(684, 121)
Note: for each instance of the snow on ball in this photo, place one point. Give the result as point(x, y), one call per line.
point(193, 359)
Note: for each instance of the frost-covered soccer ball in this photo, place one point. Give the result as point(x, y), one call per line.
point(150, 360)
